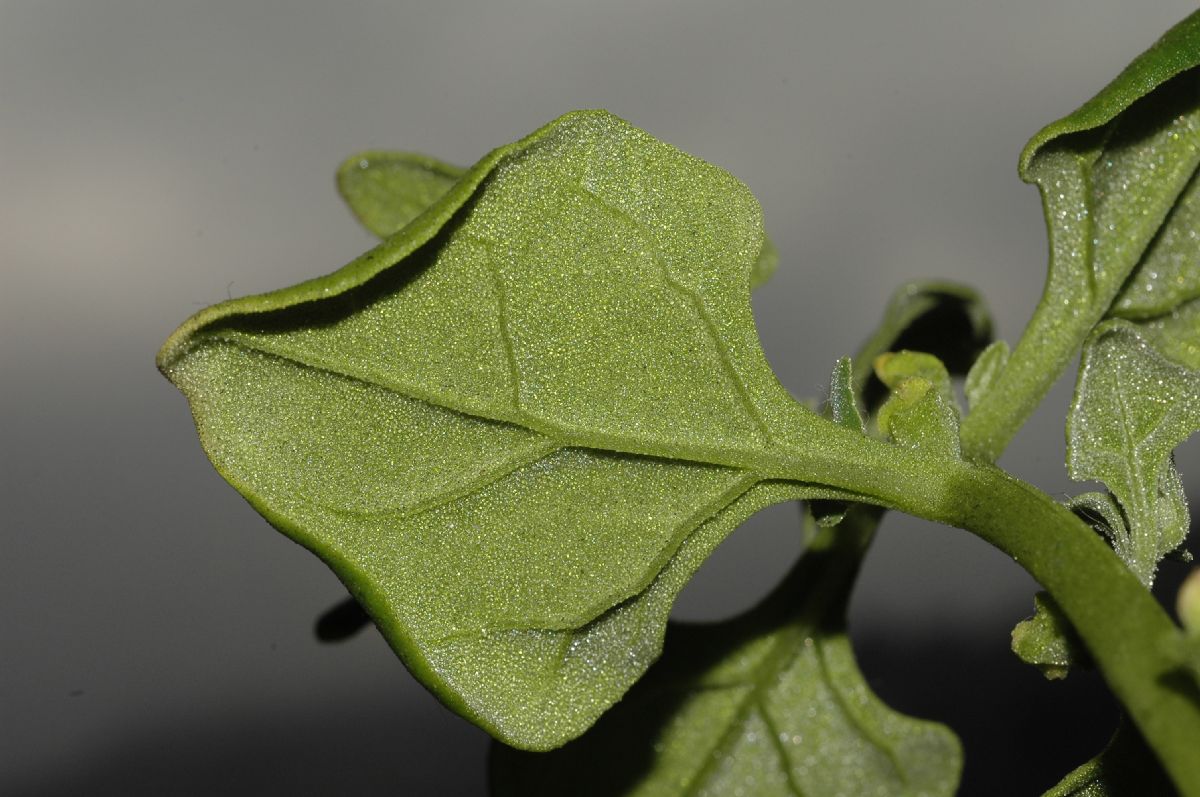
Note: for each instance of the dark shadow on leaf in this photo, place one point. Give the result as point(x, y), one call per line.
point(952, 330)
point(327, 311)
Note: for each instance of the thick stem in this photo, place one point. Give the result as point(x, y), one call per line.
point(1131, 638)
point(1043, 353)
point(1126, 630)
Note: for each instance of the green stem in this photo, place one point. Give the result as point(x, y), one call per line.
point(1051, 339)
point(1133, 641)
point(1126, 630)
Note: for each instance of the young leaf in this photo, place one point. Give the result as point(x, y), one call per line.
point(504, 425)
point(1126, 768)
point(1110, 175)
point(922, 411)
point(1132, 407)
point(387, 190)
point(771, 703)
point(983, 373)
point(1046, 640)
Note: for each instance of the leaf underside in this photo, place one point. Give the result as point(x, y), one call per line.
point(1132, 407)
point(515, 427)
point(1121, 197)
point(386, 190)
point(771, 703)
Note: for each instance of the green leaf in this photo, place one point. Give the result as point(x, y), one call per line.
point(1132, 407)
point(1126, 768)
point(984, 372)
point(1176, 335)
point(387, 190)
point(771, 703)
point(516, 426)
point(842, 407)
point(922, 411)
point(1047, 641)
point(1169, 272)
point(1116, 180)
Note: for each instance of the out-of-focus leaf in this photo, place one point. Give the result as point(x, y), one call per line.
point(984, 372)
point(766, 265)
point(387, 190)
point(1126, 768)
point(1187, 604)
point(771, 703)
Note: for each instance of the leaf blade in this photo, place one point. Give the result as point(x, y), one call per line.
point(415, 420)
point(769, 703)
point(1132, 407)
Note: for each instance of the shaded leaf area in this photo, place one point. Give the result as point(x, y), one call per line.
point(1132, 407)
point(386, 190)
point(1117, 181)
point(943, 318)
point(1126, 768)
point(518, 425)
point(771, 703)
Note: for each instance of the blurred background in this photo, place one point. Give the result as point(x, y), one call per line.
point(156, 636)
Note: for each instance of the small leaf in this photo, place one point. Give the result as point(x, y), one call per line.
point(387, 190)
point(1132, 407)
point(771, 703)
point(1047, 640)
point(510, 427)
point(922, 411)
point(1126, 768)
point(984, 372)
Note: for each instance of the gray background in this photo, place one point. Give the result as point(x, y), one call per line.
point(155, 634)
